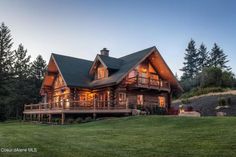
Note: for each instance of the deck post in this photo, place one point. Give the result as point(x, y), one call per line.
point(94, 115)
point(39, 117)
point(127, 103)
point(49, 118)
point(62, 118)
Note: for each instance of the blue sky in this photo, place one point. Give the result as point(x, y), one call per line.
point(82, 28)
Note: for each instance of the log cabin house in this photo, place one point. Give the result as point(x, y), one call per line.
point(106, 85)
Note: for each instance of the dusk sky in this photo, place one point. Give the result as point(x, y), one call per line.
point(82, 28)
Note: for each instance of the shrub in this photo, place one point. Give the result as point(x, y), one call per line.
point(221, 102)
point(200, 91)
point(173, 111)
point(56, 120)
point(88, 119)
point(185, 101)
point(70, 120)
point(161, 111)
point(78, 120)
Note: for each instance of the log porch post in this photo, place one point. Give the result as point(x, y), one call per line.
point(49, 118)
point(62, 118)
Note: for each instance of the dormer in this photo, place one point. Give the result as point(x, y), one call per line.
point(101, 72)
point(104, 65)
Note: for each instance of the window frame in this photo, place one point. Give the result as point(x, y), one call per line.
point(140, 99)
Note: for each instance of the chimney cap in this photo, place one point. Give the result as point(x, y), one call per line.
point(105, 52)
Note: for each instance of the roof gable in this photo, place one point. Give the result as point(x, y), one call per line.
point(128, 63)
point(74, 70)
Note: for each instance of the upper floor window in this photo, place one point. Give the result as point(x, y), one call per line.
point(101, 73)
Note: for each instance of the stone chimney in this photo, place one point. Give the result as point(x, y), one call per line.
point(104, 52)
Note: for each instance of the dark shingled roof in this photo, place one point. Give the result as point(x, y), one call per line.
point(75, 71)
point(111, 62)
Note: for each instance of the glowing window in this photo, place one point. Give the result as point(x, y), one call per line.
point(122, 97)
point(151, 69)
point(101, 73)
point(140, 99)
point(162, 101)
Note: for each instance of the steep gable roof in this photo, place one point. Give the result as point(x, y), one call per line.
point(73, 70)
point(76, 72)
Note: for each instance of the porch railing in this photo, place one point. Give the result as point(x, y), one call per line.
point(148, 82)
point(75, 105)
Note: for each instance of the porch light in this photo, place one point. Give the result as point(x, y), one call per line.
point(144, 70)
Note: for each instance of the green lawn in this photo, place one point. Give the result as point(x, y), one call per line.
point(130, 136)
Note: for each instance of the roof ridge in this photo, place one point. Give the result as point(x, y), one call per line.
point(71, 57)
point(138, 52)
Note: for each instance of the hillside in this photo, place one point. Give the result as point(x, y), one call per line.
point(139, 136)
point(206, 104)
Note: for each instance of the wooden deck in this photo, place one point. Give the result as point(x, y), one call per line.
point(75, 107)
point(143, 82)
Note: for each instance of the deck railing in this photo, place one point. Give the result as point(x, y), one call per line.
point(75, 105)
point(148, 82)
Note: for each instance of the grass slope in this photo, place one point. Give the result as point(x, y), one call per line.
point(129, 136)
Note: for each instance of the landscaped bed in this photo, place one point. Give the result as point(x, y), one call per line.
point(129, 136)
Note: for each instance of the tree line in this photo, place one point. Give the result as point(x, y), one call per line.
point(20, 79)
point(203, 68)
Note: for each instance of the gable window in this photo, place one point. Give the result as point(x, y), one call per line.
point(101, 73)
point(140, 99)
point(151, 69)
point(162, 101)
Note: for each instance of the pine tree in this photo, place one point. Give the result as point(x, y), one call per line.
point(190, 64)
point(22, 63)
point(38, 69)
point(6, 62)
point(218, 58)
point(203, 57)
point(22, 85)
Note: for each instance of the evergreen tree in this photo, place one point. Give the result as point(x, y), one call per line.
point(22, 63)
point(38, 69)
point(218, 58)
point(6, 62)
point(203, 57)
point(22, 85)
point(190, 64)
